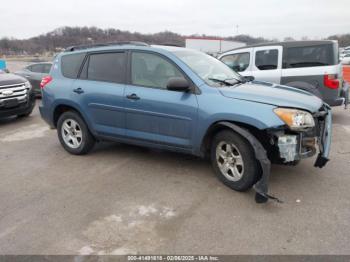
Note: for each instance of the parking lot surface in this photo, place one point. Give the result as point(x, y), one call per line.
point(125, 199)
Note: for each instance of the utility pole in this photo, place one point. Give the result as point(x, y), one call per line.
point(236, 28)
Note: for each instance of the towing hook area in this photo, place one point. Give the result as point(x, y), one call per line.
point(262, 186)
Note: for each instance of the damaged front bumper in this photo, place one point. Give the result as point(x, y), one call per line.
point(294, 146)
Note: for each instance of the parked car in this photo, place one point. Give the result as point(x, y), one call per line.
point(344, 53)
point(2, 65)
point(346, 59)
point(309, 65)
point(16, 96)
point(183, 100)
point(34, 73)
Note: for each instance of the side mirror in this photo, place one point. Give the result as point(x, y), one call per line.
point(178, 84)
point(249, 78)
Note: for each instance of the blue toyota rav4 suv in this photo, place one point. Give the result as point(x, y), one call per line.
point(183, 100)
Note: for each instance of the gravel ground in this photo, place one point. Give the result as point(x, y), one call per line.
point(125, 199)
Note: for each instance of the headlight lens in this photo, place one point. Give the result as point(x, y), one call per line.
point(28, 85)
point(295, 119)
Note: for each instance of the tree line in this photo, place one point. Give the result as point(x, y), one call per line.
point(64, 37)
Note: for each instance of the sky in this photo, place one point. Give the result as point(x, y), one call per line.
point(267, 18)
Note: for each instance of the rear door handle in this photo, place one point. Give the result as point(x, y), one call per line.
point(133, 97)
point(78, 90)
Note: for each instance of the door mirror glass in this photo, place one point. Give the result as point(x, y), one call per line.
point(178, 84)
point(249, 78)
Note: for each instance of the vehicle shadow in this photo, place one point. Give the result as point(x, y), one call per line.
point(188, 166)
point(12, 120)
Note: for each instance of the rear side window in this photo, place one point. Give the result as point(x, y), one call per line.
point(238, 62)
point(266, 59)
point(70, 64)
point(39, 68)
point(108, 67)
point(308, 56)
point(47, 68)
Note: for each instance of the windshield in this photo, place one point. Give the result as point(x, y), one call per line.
point(211, 70)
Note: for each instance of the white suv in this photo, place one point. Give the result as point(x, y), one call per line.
point(308, 65)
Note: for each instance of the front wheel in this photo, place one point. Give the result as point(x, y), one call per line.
point(234, 161)
point(74, 134)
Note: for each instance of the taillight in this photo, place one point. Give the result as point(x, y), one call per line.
point(44, 81)
point(331, 81)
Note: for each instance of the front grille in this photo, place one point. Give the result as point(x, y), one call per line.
point(12, 92)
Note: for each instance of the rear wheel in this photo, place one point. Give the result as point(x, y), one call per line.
point(74, 134)
point(234, 161)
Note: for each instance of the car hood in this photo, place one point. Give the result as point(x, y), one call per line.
point(272, 94)
point(11, 79)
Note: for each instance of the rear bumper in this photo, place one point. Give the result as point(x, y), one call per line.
point(343, 98)
point(336, 102)
point(45, 115)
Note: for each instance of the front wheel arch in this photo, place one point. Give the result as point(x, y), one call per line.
point(219, 126)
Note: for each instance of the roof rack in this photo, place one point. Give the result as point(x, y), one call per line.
point(81, 47)
point(171, 44)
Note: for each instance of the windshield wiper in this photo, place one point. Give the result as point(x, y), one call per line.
point(226, 82)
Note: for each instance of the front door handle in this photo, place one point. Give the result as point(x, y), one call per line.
point(133, 97)
point(78, 90)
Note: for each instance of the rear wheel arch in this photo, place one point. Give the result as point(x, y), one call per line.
point(306, 87)
point(62, 108)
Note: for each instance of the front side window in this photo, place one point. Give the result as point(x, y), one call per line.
point(238, 62)
point(152, 70)
point(108, 67)
point(266, 59)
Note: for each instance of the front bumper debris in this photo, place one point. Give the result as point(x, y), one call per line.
point(261, 187)
point(292, 147)
point(325, 139)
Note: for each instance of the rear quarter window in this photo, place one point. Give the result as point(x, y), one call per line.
point(309, 56)
point(70, 64)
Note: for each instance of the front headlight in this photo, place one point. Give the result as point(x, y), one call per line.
point(28, 85)
point(295, 119)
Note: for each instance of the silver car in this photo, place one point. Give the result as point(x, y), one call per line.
point(34, 73)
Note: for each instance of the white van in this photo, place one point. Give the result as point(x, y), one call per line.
point(309, 65)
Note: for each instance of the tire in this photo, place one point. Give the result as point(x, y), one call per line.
point(248, 173)
point(78, 139)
